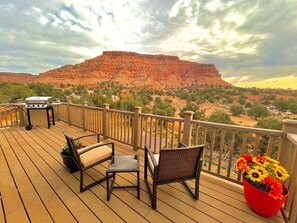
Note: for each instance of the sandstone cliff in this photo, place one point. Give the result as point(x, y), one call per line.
point(137, 70)
point(16, 77)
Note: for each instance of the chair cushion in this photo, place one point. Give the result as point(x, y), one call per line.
point(94, 155)
point(156, 156)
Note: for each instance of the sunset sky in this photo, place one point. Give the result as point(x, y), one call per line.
point(251, 42)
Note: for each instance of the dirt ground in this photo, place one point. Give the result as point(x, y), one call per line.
point(243, 120)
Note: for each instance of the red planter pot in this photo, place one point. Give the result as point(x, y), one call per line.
point(260, 202)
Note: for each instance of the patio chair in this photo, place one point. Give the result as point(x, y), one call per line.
point(173, 165)
point(89, 156)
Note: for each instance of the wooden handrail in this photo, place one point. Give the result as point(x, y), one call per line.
point(240, 128)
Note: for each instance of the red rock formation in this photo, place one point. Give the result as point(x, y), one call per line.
point(16, 77)
point(138, 70)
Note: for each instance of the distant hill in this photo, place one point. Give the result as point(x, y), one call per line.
point(16, 77)
point(135, 70)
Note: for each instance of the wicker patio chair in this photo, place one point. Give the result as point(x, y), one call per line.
point(89, 156)
point(173, 165)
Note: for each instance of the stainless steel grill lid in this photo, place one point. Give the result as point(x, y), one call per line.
point(37, 102)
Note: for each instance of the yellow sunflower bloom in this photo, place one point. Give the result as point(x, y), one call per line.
point(255, 175)
point(260, 161)
point(280, 173)
point(262, 170)
point(273, 161)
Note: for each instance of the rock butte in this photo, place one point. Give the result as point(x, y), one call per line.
point(134, 70)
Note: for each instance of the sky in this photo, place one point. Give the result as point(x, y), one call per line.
point(249, 41)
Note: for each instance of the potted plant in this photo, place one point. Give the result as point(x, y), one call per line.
point(262, 181)
point(68, 159)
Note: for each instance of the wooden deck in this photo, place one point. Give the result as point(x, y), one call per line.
point(36, 187)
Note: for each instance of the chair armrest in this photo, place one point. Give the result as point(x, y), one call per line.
point(181, 144)
point(96, 146)
point(92, 134)
point(150, 153)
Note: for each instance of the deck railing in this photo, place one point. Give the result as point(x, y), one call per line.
point(11, 115)
point(224, 143)
point(288, 158)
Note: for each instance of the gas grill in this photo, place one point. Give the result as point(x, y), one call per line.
point(37, 102)
point(40, 111)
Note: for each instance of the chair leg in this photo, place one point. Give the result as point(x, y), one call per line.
point(145, 169)
point(197, 189)
point(148, 190)
point(194, 193)
point(81, 188)
point(84, 188)
point(154, 204)
point(151, 192)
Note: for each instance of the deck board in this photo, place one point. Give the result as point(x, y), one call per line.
point(36, 210)
point(79, 207)
point(32, 170)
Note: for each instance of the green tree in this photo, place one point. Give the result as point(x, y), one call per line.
point(98, 100)
point(236, 110)
point(258, 111)
point(198, 114)
point(254, 91)
point(281, 104)
point(163, 108)
point(67, 92)
point(43, 89)
point(11, 92)
point(127, 103)
point(269, 123)
point(293, 106)
point(248, 105)
point(269, 97)
point(220, 116)
point(80, 89)
point(242, 99)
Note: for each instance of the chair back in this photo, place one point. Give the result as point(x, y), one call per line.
point(72, 148)
point(179, 163)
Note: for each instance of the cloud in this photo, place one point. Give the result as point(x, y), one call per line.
point(246, 40)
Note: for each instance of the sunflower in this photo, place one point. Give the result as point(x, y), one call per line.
point(280, 172)
point(273, 161)
point(255, 175)
point(262, 161)
point(264, 173)
point(262, 170)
